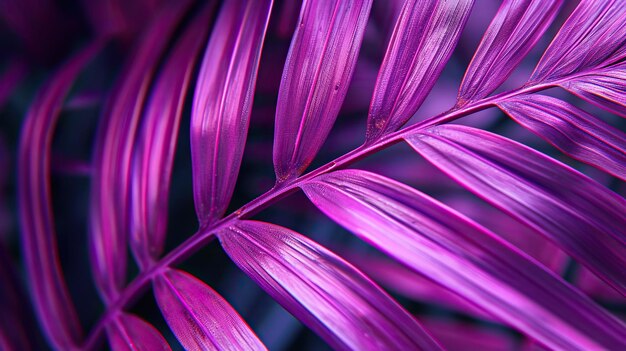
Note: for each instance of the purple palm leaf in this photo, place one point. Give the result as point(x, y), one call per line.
point(222, 104)
point(326, 293)
point(49, 292)
point(529, 239)
point(591, 221)
point(200, 318)
point(154, 152)
point(436, 242)
point(317, 72)
point(131, 333)
point(113, 155)
point(420, 46)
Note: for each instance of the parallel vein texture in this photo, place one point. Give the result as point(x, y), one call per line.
point(605, 88)
point(222, 103)
point(515, 29)
point(48, 290)
point(593, 37)
point(582, 217)
point(154, 152)
point(572, 130)
point(199, 317)
point(315, 80)
point(587, 56)
point(325, 292)
point(131, 333)
point(462, 336)
point(457, 253)
point(110, 188)
point(425, 35)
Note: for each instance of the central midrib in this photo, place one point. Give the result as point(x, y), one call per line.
point(204, 235)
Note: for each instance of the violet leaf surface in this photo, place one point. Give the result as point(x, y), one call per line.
point(319, 66)
point(325, 292)
point(223, 103)
point(455, 252)
point(580, 216)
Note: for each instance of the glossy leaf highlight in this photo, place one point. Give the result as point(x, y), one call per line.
point(326, 293)
point(422, 42)
point(405, 281)
point(223, 103)
point(315, 80)
point(110, 187)
point(582, 217)
point(457, 253)
point(154, 152)
point(199, 317)
point(572, 130)
point(515, 29)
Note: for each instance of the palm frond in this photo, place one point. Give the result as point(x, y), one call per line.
point(319, 66)
point(511, 273)
point(222, 104)
point(49, 292)
point(326, 293)
point(200, 318)
point(464, 257)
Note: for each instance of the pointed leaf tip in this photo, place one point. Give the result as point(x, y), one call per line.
point(315, 80)
point(422, 42)
point(199, 317)
point(326, 293)
point(223, 102)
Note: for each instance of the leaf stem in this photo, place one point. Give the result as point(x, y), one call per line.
point(206, 234)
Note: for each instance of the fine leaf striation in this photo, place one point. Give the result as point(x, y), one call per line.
point(545, 196)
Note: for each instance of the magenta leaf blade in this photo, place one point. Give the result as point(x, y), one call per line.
point(48, 289)
point(605, 88)
point(110, 188)
point(515, 29)
point(131, 333)
point(422, 42)
point(154, 153)
point(593, 37)
point(572, 130)
point(315, 80)
point(223, 103)
point(580, 216)
point(455, 252)
point(460, 336)
point(199, 317)
point(325, 292)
